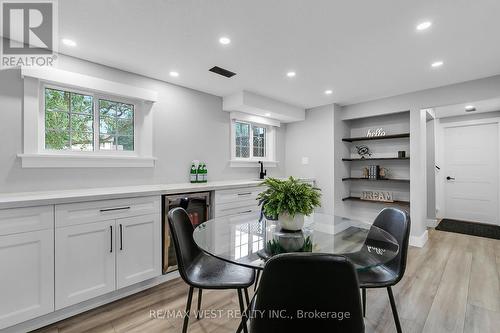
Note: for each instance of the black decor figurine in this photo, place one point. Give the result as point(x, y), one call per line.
point(363, 151)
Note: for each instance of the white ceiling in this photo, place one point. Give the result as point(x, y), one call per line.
point(360, 49)
point(487, 105)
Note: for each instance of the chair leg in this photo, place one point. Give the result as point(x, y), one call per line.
point(188, 309)
point(242, 309)
point(247, 298)
point(363, 297)
point(394, 310)
point(199, 303)
point(256, 280)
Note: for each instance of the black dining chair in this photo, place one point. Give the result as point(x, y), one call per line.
point(397, 223)
point(305, 292)
point(201, 270)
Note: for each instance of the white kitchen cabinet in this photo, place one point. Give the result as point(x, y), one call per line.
point(27, 276)
point(26, 264)
point(105, 245)
point(85, 262)
point(138, 244)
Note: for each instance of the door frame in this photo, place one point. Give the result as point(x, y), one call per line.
point(440, 147)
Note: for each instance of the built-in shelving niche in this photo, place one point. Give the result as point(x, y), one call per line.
point(384, 152)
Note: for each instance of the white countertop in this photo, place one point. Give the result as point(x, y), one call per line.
point(25, 199)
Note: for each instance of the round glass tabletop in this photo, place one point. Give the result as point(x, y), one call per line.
point(246, 241)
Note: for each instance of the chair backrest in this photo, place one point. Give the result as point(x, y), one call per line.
point(181, 230)
point(397, 223)
point(320, 292)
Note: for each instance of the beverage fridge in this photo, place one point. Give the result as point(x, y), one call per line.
point(197, 205)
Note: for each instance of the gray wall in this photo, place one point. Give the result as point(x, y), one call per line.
point(188, 125)
point(313, 139)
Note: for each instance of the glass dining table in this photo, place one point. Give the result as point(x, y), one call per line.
point(249, 241)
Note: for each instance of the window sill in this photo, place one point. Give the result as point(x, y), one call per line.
point(251, 164)
point(44, 160)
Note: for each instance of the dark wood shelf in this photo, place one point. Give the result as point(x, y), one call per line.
point(396, 202)
point(377, 180)
point(375, 159)
point(385, 137)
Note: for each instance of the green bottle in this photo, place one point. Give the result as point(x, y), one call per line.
point(192, 173)
point(205, 173)
point(199, 173)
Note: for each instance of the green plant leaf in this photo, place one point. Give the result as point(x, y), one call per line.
point(289, 196)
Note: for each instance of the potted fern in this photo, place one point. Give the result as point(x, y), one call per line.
point(289, 201)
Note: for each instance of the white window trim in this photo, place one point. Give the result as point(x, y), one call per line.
point(269, 160)
point(34, 154)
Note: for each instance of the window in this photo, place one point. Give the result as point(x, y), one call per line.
point(116, 125)
point(77, 121)
point(69, 121)
point(250, 141)
point(73, 120)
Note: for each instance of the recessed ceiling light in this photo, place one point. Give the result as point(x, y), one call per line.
point(174, 74)
point(470, 108)
point(224, 40)
point(268, 114)
point(328, 92)
point(68, 42)
point(437, 64)
point(291, 74)
point(424, 25)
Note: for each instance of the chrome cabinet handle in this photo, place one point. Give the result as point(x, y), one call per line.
point(111, 238)
point(246, 211)
point(246, 193)
point(113, 209)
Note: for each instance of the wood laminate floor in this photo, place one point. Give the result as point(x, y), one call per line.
point(450, 285)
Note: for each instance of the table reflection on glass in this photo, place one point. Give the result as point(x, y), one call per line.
point(246, 241)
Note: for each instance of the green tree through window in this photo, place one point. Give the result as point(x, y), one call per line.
point(69, 122)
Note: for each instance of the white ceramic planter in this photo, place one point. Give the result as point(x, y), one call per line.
point(292, 224)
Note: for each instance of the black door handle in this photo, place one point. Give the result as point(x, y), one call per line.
point(450, 178)
point(121, 238)
point(111, 238)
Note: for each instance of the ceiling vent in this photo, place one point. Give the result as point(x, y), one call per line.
point(222, 71)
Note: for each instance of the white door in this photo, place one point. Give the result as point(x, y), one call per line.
point(471, 172)
point(85, 262)
point(26, 276)
point(138, 249)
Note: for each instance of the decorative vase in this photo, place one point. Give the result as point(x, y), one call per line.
point(292, 224)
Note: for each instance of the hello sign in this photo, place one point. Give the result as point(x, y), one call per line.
point(383, 196)
point(375, 132)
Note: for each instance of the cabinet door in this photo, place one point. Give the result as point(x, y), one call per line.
point(27, 276)
point(138, 249)
point(85, 262)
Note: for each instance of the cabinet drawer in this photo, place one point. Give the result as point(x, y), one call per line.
point(17, 220)
point(94, 211)
point(233, 211)
point(237, 195)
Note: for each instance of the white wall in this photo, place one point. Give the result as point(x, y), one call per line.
point(453, 94)
point(313, 139)
point(431, 168)
point(188, 125)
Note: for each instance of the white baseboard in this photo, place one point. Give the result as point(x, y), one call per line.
point(419, 241)
point(73, 310)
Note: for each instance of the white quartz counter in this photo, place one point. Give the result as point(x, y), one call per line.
point(25, 199)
